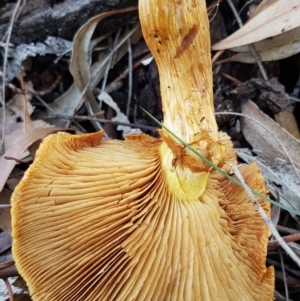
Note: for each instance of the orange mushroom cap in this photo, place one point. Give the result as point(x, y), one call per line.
point(144, 218)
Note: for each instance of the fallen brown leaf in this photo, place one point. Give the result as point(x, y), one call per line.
point(272, 18)
point(18, 147)
point(86, 77)
point(262, 139)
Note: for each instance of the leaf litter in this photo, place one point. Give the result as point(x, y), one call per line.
point(273, 30)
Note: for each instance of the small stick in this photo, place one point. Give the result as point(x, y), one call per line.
point(284, 275)
point(14, 159)
point(135, 65)
point(233, 79)
point(2, 101)
point(217, 55)
point(9, 289)
point(9, 271)
point(90, 118)
point(254, 53)
point(286, 229)
point(48, 89)
point(289, 238)
point(215, 3)
point(288, 268)
point(109, 64)
point(28, 126)
point(265, 218)
point(129, 50)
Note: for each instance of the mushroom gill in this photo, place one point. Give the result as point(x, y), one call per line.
point(144, 218)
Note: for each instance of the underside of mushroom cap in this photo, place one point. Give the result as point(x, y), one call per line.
point(96, 219)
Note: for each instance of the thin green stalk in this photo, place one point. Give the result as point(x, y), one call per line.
point(226, 175)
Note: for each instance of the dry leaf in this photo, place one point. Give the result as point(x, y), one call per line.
point(16, 104)
point(288, 121)
point(14, 110)
point(120, 117)
point(262, 139)
point(279, 173)
point(275, 215)
point(271, 158)
point(273, 18)
point(5, 217)
point(9, 140)
point(272, 42)
point(81, 58)
point(85, 75)
point(20, 283)
point(270, 54)
point(19, 146)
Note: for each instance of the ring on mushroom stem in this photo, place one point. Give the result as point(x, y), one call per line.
point(144, 218)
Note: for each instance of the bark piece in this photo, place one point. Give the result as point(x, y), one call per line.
point(40, 18)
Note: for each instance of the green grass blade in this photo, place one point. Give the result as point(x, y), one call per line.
point(226, 175)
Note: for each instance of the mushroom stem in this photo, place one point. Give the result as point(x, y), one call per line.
point(177, 33)
point(180, 44)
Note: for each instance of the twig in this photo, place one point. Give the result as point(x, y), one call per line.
point(265, 218)
point(28, 126)
point(212, 12)
point(244, 6)
point(41, 100)
point(16, 17)
point(254, 53)
point(286, 229)
point(129, 50)
point(79, 126)
point(14, 159)
point(280, 297)
point(109, 63)
point(217, 55)
point(90, 118)
point(294, 98)
point(125, 73)
point(49, 89)
point(37, 94)
point(289, 238)
point(292, 270)
point(284, 275)
point(4, 72)
point(233, 79)
point(34, 92)
point(215, 3)
point(9, 289)
point(262, 125)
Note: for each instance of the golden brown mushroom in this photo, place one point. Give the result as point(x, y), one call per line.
point(144, 218)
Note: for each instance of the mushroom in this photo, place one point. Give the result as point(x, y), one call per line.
point(145, 218)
